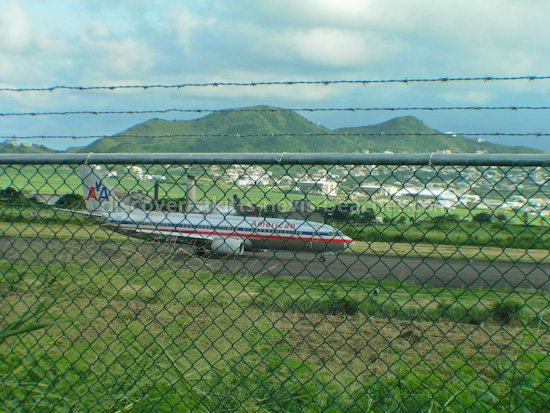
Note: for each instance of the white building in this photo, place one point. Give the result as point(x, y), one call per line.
point(441, 196)
point(324, 186)
point(469, 199)
point(378, 190)
point(136, 171)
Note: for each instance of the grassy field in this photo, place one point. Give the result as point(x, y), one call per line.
point(464, 252)
point(144, 333)
point(126, 328)
point(454, 233)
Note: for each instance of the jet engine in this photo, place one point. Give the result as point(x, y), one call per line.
point(227, 246)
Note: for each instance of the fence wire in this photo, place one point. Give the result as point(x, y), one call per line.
point(325, 82)
point(274, 285)
point(336, 134)
point(274, 109)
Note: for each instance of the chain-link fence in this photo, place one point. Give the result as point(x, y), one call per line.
point(274, 283)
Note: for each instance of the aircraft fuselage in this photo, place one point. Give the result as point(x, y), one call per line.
point(254, 232)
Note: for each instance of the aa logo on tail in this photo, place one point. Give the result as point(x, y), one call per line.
point(98, 189)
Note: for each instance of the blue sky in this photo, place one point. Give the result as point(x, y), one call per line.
point(102, 42)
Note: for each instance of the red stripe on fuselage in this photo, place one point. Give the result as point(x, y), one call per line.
point(245, 235)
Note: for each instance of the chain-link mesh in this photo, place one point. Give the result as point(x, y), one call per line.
point(212, 287)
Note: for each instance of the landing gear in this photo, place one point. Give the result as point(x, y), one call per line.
point(202, 251)
point(323, 256)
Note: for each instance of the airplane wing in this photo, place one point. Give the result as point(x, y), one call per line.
point(180, 234)
point(74, 211)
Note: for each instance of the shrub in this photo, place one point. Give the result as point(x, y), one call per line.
point(506, 311)
point(332, 305)
point(482, 217)
point(501, 217)
point(74, 201)
point(446, 218)
point(365, 217)
point(344, 305)
point(343, 212)
point(11, 194)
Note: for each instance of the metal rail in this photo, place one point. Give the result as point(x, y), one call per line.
point(283, 158)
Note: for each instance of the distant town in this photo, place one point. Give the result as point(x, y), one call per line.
point(492, 188)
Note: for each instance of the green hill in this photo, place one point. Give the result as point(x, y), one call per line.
point(17, 147)
point(248, 131)
point(154, 135)
point(408, 134)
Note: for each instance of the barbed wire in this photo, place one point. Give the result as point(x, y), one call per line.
point(280, 134)
point(447, 79)
point(349, 109)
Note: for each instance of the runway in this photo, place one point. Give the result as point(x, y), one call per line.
point(345, 266)
point(424, 271)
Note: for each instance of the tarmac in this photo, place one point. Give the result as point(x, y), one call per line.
point(432, 272)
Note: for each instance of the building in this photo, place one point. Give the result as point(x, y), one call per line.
point(136, 171)
point(324, 186)
point(248, 176)
point(429, 196)
point(377, 190)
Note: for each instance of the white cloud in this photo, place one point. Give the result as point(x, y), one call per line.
point(344, 14)
point(51, 43)
point(108, 56)
point(127, 56)
point(433, 36)
point(15, 29)
point(98, 30)
point(184, 23)
point(326, 46)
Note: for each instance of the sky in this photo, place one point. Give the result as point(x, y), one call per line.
point(104, 42)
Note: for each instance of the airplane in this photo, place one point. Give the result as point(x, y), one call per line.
point(209, 233)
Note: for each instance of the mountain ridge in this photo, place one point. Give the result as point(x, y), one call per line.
point(23, 148)
point(272, 129)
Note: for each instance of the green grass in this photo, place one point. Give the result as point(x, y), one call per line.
point(149, 333)
point(456, 233)
point(463, 252)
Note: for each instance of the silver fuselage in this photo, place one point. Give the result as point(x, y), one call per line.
point(255, 232)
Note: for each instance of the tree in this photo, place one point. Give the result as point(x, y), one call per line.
point(501, 217)
point(365, 217)
point(12, 195)
point(73, 201)
point(482, 217)
point(344, 211)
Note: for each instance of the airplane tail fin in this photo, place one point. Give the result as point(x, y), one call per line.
point(99, 197)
